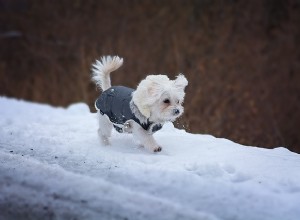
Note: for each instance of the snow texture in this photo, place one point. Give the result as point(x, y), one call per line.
point(52, 166)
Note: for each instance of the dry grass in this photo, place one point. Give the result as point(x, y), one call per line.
point(241, 58)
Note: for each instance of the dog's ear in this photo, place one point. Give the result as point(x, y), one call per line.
point(156, 86)
point(153, 89)
point(180, 81)
point(148, 92)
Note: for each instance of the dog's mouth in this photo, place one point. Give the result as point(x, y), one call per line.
point(169, 115)
point(173, 118)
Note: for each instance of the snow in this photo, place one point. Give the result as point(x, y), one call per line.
point(52, 166)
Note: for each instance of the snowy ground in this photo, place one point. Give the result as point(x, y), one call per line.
point(52, 166)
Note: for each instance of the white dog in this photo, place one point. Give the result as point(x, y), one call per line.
point(141, 112)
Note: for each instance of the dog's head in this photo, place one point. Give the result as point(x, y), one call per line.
point(160, 99)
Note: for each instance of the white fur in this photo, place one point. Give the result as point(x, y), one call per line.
point(147, 140)
point(148, 101)
point(105, 129)
point(151, 91)
point(101, 70)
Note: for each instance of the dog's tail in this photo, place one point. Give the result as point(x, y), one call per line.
point(101, 70)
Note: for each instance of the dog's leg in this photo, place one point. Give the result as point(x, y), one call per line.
point(146, 139)
point(105, 129)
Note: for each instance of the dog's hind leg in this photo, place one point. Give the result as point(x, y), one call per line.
point(105, 129)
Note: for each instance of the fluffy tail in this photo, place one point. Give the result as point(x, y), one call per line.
point(101, 70)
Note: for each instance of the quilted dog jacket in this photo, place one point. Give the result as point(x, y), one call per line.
point(115, 103)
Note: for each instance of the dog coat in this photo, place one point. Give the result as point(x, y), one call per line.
point(115, 103)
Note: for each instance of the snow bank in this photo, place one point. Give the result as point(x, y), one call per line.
point(52, 166)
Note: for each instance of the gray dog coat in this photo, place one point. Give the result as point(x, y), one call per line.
point(115, 103)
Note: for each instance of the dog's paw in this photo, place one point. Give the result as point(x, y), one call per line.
point(157, 149)
point(105, 140)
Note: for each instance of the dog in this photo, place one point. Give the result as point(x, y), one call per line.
point(142, 111)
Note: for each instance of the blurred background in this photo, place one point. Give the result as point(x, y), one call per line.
point(241, 58)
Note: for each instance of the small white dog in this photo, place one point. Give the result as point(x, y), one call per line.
point(141, 112)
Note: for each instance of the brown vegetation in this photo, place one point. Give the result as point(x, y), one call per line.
point(241, 58)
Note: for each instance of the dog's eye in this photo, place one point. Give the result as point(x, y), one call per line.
point(167, 101)
point(177, 102)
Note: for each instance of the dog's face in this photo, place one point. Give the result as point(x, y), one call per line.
point(160, 99)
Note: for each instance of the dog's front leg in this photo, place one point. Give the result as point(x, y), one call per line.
point(146, 139)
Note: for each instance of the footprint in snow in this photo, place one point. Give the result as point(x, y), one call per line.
point(216, 170)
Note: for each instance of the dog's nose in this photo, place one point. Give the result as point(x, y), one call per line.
point(176, 111)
